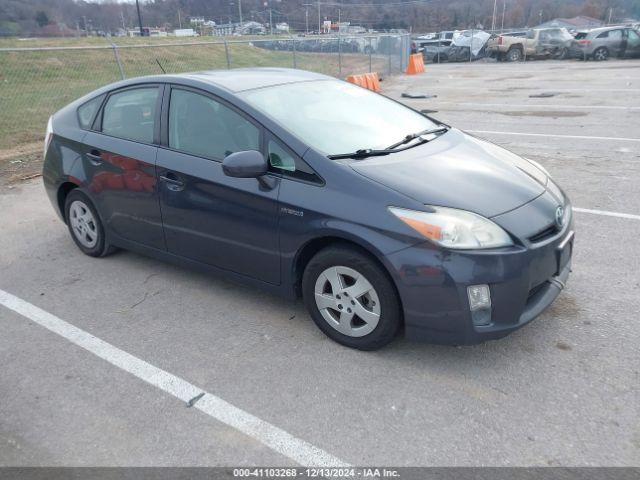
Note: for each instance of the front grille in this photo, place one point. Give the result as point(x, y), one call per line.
point(548, 232)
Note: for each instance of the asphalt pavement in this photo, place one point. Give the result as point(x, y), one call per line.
point(564, 390)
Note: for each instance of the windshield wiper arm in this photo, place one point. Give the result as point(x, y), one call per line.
point(413, 136)
point(362, 153)
point(368, 152)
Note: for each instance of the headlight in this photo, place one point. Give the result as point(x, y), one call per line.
point(452, 228)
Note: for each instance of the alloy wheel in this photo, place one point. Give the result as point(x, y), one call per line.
point(601, 54)
point(347, 301)
point(83, 224)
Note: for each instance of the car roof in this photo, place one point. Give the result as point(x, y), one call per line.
point(240, 79)
point(603, 29)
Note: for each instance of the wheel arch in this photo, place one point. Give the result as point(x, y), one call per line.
point(63, 191)
point(306, 252)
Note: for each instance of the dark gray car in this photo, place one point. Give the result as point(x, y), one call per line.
point(383, 219)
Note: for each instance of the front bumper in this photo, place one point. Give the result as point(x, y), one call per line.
point(523, 281)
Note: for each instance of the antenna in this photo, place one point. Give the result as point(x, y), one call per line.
point(158, 62)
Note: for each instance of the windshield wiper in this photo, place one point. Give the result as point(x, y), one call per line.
point(368, 152)
point(413, 136)
point(362, 153)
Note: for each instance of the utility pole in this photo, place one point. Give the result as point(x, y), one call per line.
point(179, 19)
point(493, 18)
point(240, 11)
point(271, 20)
point(139, 18)
point(319, 21)
point(610, 15)
point(306, 15)
point(504, 7)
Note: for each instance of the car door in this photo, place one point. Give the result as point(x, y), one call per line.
point(119, 164)
point(633, 44)
point(230, 223)
point(530, 43)
point(615, 43)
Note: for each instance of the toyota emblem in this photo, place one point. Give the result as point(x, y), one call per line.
point(559, 216)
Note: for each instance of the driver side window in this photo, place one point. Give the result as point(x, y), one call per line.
point(199, 125)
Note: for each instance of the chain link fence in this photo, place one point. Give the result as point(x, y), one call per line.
point(35, 82)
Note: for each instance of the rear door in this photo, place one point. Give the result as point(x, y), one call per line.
point(119, 161)
point(230, 223)
point(633, 44)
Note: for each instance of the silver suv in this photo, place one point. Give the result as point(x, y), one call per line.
point(602, 43)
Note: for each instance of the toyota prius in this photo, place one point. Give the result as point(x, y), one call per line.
point(383, 219)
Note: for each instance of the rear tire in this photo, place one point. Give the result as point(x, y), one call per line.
point(351, 298)
point(514, 54)
point(600, 54)
point(85, 225)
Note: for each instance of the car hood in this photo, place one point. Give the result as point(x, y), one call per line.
point(460, 171)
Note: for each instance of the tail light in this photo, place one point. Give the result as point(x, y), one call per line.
point(584, 42)
point(48, 136)
point(500, 40)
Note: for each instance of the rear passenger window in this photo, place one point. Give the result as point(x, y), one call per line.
point(131, 114)
point(87, 112)
point(199, 125)
point(615, 34)
point(603, 35)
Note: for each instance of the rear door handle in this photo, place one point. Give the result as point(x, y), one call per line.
point(95, 157)
point(172, 182)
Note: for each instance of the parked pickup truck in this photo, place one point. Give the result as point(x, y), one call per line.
point(536, 43)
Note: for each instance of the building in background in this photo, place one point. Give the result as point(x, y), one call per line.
point(580, 22)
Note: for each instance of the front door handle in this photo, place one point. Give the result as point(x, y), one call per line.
point(172, 181)
point(94, 157)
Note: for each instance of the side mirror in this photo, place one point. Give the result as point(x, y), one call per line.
point(246, 164)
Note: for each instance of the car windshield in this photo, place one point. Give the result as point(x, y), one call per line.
point(336, 117)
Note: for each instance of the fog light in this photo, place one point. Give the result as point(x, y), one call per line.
point(480, 304)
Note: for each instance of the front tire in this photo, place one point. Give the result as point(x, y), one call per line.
point(85, 225)
point(351, 298)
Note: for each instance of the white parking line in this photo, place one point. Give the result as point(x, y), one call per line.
point(607, 213)
point(548, 107)
point(551, 89)
point(273, 437)
point(579, 137)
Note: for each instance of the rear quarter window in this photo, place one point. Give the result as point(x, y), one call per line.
point(87, 112)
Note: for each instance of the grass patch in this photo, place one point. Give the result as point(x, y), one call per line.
point(35, 84)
